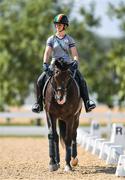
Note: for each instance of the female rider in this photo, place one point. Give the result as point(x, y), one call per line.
point(59, 46)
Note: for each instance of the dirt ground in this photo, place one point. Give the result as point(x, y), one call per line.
point(27, 159)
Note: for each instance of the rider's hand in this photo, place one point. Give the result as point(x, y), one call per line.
point(75, 65)
point(45, 67)
point(50, 72)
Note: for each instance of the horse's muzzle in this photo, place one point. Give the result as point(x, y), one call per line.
point(60, 99)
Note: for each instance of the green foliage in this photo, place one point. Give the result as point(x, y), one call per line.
point(117, 63)
point(24, 28)
point(118, 12)
point(93, 59)
point(88, 15)
point(102, 59)
point(117, 54)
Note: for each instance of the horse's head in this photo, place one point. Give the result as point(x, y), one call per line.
point(61, 80)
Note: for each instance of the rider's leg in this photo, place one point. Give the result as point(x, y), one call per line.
point(38, 106)
point(89, 105)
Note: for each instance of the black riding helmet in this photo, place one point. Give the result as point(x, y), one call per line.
point(62, 19)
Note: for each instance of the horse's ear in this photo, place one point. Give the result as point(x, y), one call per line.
point(61, 64)
point(57, 64)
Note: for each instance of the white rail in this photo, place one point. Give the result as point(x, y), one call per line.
point(107, 115)
point(21, 115)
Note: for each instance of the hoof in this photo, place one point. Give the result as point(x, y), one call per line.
point(54, 167)
point(68, 168)
point(74, 162)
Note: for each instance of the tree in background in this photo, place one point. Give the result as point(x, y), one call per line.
point(93, 52)
point(116, 55)
point(102, 59)
point(24, 28)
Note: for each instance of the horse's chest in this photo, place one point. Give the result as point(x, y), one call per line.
point(62, 110)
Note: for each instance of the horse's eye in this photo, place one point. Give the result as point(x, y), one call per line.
point(57, 72)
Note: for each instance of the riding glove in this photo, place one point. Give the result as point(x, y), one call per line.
point(47, 69)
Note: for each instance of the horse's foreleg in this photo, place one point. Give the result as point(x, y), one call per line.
point(68, 158)
point(74, 149)
point(74, 143)
point(74, 160)
point(51, 148)
point(53, 166)
point(68, 140)
point(57, 156)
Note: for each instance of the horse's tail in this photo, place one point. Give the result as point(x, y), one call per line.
point(62, 130)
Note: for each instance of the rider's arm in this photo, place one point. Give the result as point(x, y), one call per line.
point(47, 54)
point(74, 53)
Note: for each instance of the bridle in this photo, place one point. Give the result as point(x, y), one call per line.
point(61, 88)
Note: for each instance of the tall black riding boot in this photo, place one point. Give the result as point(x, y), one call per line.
point(89, 105)
point(38, 106)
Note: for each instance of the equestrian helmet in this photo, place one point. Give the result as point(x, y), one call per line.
point(62, 19)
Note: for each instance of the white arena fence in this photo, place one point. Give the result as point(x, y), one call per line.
point(92, 115)
point(95, 115)
point(111, 150)
point(108, 116)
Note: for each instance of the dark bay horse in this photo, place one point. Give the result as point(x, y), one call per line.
point(63, 105)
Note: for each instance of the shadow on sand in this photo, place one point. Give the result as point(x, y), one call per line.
point(96, 169)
